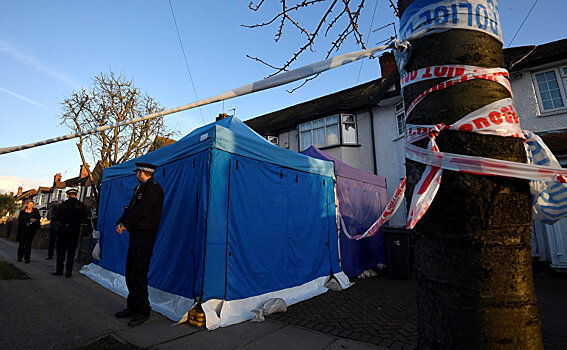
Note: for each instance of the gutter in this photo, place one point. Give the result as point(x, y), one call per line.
point(373, 141)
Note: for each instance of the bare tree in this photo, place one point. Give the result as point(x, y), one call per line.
point(113, 98)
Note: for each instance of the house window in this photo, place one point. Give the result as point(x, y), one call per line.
point(550, 87)
point(59, 194)
point(324, 132)
point(348, 129)
point(400, 118)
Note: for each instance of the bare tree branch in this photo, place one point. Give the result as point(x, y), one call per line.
point(344, 19)
point(392, 5)
point(302, 84)
point(265, 63)
point(251, 5)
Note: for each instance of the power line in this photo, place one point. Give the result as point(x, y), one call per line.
point(524, 21)
point(367, 36)
point(185, 57)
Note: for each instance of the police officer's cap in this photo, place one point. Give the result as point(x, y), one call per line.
point(72, 191)
point(150, 168)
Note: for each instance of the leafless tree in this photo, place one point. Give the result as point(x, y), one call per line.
point(113, 98)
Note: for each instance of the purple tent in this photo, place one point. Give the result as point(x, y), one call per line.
point(362, 199)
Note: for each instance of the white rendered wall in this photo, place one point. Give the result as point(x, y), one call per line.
point(526, 103)
point(390, 155)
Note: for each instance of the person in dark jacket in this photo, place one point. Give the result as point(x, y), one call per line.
point(70, 215)
point(52, 230)
point(28, 223)
point(141, 218)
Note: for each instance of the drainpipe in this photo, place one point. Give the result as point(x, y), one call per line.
point(373, 141)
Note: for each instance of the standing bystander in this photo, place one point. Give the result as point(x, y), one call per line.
point(28, 223)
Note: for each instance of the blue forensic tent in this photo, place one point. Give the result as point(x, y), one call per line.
point(362, 199)
point(243, 221)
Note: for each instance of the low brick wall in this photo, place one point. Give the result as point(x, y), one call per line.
point(40, 240)
point(5, 229)
point(86, 246)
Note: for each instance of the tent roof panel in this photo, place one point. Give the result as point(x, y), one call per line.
point(230, 135)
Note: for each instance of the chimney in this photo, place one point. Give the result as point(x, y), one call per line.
point(56, 179)
point(222, 116)
point(20, 190)
point(84, 171)
point(387, 64)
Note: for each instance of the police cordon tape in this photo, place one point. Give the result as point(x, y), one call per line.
point(391, 208)
point(548, 179)
point(498, 118)
point(426, 17)
point(276, 80)
point(459, 74)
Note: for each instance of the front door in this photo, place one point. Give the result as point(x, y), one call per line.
point(557, 237)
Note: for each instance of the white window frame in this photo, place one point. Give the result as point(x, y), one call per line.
point(561, 81)
point(397, 114)
point(343, 130)
point(326, 123)
point(340, 135)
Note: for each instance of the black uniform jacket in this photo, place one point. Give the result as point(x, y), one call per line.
point(71, 213)
point(144, 210)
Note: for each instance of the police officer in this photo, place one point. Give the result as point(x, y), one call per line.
point(141, 218)
point(52, 230)
point(70, 215)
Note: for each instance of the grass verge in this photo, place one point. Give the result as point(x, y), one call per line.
point(10, 272)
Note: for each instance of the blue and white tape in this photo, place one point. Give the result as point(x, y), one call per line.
point(426, 17)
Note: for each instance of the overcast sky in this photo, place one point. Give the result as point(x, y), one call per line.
point(48, 49)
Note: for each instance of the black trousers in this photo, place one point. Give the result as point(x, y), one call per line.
point(52, 239)
point(24, 248)
point(140, 249)
point(67, 241)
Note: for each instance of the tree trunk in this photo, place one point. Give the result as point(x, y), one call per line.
point(473, 246)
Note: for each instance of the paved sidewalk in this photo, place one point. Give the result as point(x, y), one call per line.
point(384, 312)
point(376, 310)
point(53, 312)
point(50, 312)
